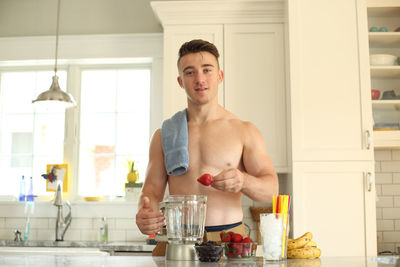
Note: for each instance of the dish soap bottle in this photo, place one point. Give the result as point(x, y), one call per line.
point(104, 230)
point(22, 189)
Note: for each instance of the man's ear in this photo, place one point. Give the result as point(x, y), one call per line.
point(220, 76)
point(180, 81)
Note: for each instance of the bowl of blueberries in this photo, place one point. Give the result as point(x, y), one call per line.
point(208, 251)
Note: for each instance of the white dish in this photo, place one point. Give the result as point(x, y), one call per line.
point(382, 60)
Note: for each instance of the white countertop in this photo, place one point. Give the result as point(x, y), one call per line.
point(148, 261)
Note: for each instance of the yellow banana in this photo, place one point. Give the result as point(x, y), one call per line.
point(299, 242)
point(304, 253)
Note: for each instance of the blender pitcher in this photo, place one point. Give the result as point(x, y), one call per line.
point(185, 217)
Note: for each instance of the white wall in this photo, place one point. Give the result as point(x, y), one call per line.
point(38, 17)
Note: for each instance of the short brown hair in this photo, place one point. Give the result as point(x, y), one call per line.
point(198, 45)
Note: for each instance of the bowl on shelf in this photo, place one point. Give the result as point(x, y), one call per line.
point(239, 251)
point(382, 60)
point(375, 94)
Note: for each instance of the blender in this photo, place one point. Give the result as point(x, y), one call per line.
point(185, 217)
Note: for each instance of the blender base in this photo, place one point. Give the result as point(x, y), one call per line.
point(181, 252)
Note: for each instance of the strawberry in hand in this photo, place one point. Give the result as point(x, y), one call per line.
point(205, 179)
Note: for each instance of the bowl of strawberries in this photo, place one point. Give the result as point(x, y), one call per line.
point(236, 247)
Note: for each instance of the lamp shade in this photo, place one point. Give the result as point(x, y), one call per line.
point(56, 94)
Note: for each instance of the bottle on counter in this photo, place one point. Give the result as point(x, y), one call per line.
point(22, 189)
point(104, 230)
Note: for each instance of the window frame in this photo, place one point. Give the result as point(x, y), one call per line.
point(78, 53)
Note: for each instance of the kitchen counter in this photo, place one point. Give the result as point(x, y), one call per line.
point(148, 261)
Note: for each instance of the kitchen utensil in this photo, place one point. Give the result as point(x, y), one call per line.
point(382, 60)
point(185, 217)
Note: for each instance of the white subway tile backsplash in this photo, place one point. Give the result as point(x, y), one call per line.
point(15, 223)
point(379, 213)
point(391, 190)
point(397, 225)
point(378, 189)
point(72, 235)
point(81, 223)
point(117, 235)
point(97, 223)
point(396, 154)
point(246, 201)
point(396, 177)
point(40, 223)
point(377, 166)
point(385, 202)
point(125, 224)
point(46, 234)
point(390, 166)
point(387, 247)
point(384, 178)
point(389, 237)
point(135, 235)
point(396, 202)
point(2, 222)
point(90, 235)
point(391, 213)
point(385, 225)
point(382, 155)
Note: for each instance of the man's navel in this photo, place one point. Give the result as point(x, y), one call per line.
point(228, 164)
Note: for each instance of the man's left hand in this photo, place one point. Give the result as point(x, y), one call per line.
point(230, 180)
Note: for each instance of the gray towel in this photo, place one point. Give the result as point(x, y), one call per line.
point(174, 136)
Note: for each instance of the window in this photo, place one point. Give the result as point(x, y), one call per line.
point(114, 127)
point(29, 138)
point(114, 120)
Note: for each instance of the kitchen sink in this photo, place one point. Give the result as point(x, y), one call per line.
point(75, 248)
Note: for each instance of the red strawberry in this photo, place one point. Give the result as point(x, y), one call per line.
point(225, 237)
point(247, 240)
point(230, 255)
point(237, 249)
point(205, 179)
point(230, 233)
point(236, 238)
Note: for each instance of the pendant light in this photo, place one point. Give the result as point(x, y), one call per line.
point(55, 94)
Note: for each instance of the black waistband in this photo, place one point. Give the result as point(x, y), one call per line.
point(219, 228)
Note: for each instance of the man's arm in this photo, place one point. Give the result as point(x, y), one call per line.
point(149, 219)
point(259, 181)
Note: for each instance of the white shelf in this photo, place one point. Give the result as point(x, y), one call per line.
point(386, 104)
point(385, 72)
point(384, 39)
point(386, 139)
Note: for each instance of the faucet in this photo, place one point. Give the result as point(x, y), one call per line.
point(61, 223)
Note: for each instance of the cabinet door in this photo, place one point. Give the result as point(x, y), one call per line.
point(335, 201)
point(174, 97)
point(255, 82)
point(330, 92)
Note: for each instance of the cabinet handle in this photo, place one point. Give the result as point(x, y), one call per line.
point(369, 181)
point(368, 139)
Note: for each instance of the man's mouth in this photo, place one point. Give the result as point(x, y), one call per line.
point(200, 89)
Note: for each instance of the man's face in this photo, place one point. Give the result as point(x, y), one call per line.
point(200, 76)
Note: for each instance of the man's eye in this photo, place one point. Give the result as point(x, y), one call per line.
point(207, 70)
point(188, 73)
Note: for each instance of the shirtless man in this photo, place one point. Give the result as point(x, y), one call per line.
point(231, 150)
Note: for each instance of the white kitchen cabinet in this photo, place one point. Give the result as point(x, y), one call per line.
point(255, 82)
point(329, 74)
point(250, 38)
point(336, 202)
point(385, 13)
point(331, 122)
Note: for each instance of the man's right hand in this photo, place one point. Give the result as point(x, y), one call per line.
point(148, 220)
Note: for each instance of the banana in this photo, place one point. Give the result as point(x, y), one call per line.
point(299, 242)
point(311, 244)
point(304, 253)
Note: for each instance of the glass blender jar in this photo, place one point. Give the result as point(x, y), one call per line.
point(185, 217)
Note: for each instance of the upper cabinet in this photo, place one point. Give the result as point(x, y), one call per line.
point(250, 38)
point(384, 48)
point(329, 80)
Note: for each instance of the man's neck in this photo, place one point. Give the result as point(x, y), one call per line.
point(202, 113)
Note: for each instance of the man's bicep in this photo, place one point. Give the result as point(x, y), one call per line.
point(156, 174)
point(255, 157)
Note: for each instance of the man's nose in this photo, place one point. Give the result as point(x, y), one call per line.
point(200, 77)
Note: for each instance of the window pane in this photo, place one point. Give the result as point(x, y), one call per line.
point(28, 140)
point(115, 117)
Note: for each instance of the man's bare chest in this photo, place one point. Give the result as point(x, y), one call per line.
point(220, 147)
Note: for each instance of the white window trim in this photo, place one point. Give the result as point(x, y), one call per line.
point(89, 50)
